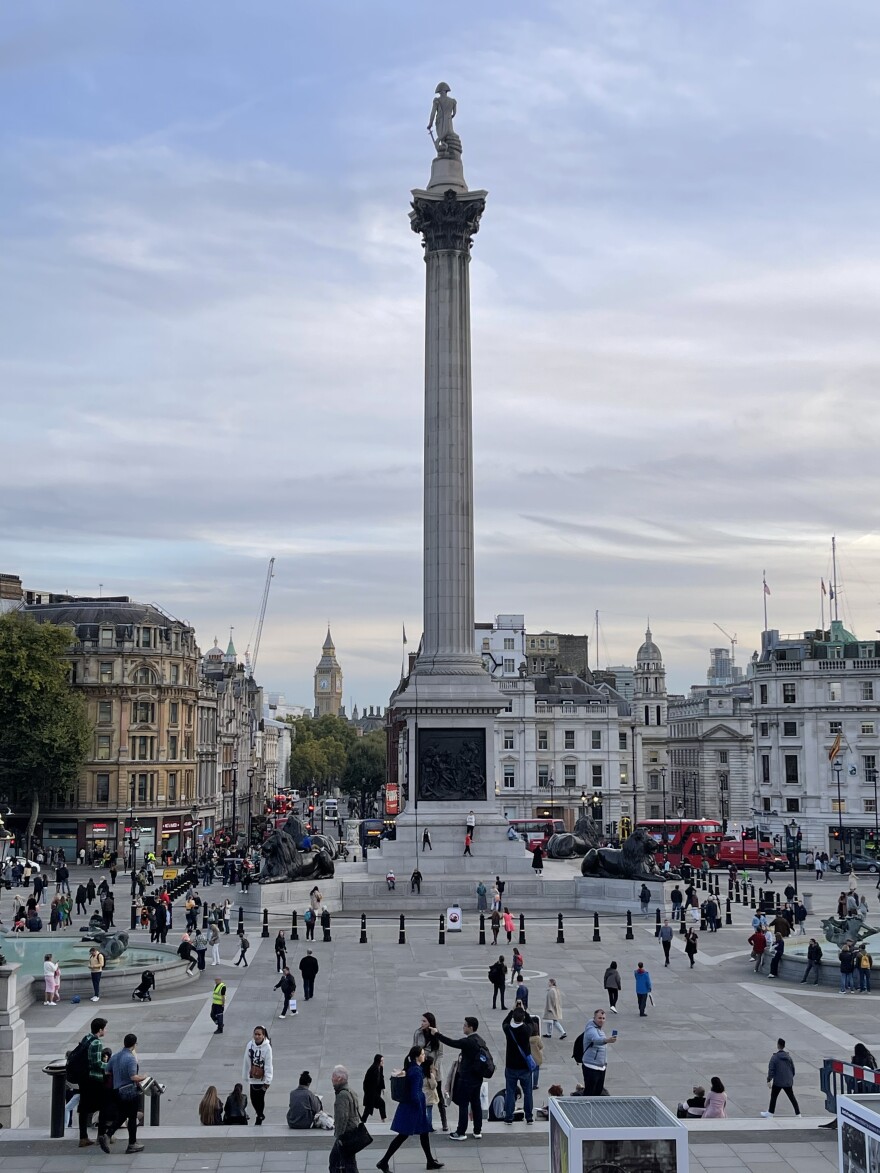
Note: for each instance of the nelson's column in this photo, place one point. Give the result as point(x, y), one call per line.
point(447, 753)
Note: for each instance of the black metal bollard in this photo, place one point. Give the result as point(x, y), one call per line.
point(482, 940)
point(596, 936)
point(441, 938)
point(682, 928)
point(401, 937)
point(778, 900)
point(745, 895)
point(703, 925)
point(362, 940)
point(656, 926)
point(728, 919)
point(294, 931)
point(265, 932)
point(522, 929)
point(58, 1106)
point(629, 926)
point(155, 1110)
point(204, 914)
point(736, 891)
point(752, 886)
point(560, 932)
point(240, 929)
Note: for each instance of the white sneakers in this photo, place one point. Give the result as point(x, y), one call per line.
point(94, 998)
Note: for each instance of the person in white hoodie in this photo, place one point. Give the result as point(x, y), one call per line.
point(256, 1070)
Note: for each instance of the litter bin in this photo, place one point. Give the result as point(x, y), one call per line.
point(58, 1103)
point(807, 898)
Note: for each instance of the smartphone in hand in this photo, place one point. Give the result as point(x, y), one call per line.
point(614, 1034)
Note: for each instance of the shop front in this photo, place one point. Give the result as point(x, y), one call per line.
point(178, 833)
point(60, 834)
point(100, 839)
point(146, 841)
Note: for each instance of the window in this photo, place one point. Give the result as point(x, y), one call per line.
point(142, 748)
point(835, 727)
point(485, 643)
point(509, 667)
point(868, 727)
point(172, 786)
point(835, 690)
point(542, 739)
point(789, 728)
point(103, 752)
point(143, 712)
point(792, 806)
point(647, 714)
point(105, 712)
point(174, 676)
point(142, 787)
point(869, 761)
point(765, 805)
point(621, 741)
point(102, 788)
point(791, 768)
point(722, 757)
point(765, 768)
point(508, 739)
point(838, 807)
point(105, 671)
point(509, 777)
point(762, 694)
point(569, 739)
point(870, 806)
point(174, 713)
point(655, 812)
point(508, 708)
point(571, 773)
point(866, 690)
point(659, 717)
point(764, 729)
point(188, 715)
point(595, 739)
point(172, 747)
point(143, 676)
point(597, 774)
point(146, 640)
point(789, 693)
point(508, 644)
point(106, 637)
point(543, 777)
point(653, 781)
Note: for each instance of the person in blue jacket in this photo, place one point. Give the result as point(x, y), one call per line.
point(411, 1117)
point(643, 987)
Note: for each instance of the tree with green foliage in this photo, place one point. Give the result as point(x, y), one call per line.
point(364, 773)
point(45, 732)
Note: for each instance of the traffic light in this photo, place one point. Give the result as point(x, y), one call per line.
point(625, 826)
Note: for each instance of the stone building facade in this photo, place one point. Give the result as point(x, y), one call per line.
point(710, 755)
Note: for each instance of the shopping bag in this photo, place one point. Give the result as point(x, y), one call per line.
point(291, 1006)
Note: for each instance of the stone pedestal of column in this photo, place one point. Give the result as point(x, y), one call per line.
point(14, 1050)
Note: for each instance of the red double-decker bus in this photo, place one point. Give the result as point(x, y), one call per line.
point(688, 840)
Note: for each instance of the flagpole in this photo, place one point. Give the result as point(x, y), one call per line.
point(822, 602)
point(766, 592)
point(834, 575)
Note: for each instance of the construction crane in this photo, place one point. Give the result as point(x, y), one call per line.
point(252, 660)
point(732, 639)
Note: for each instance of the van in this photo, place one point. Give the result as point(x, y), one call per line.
point(331, 808)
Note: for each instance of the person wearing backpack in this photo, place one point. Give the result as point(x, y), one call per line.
point(85, 1069)
point(475, 1065)
point(310, 918)
point(864, 965)
point(518, 1063)
point(497, 976)
point(594, 1060)
point(243, 944)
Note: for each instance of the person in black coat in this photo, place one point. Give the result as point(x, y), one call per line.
point(538, 860)
point(374, 1086)
point(411, 1117)
point(287, 985)
point(308, 967)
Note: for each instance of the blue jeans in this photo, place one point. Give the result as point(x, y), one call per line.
point(512, 1077)
point(846, 982)
point(865, 980)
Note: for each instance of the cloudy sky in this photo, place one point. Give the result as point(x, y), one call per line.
point(211, 314)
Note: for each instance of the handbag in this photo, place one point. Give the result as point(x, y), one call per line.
point(258, 1067)
point(399, 1090)
point(530, 1062)
point(356, 1139)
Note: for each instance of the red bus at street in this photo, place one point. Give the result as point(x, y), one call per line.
point(688, 840)
point(537, 832)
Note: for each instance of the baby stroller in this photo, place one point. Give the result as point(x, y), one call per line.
point(148, 982)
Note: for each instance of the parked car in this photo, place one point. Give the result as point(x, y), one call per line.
point(858, 863)
point(24, 861)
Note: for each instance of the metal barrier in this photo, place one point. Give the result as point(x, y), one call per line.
point(837, 1078)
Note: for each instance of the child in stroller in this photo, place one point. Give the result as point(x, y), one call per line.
point(148, 982)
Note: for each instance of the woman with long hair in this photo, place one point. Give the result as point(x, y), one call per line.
point(716, 1101)
point(256, 1070)
point(411, 1117)
point(374, 1086)
point(235, 1111)
point(427, 1038)
point(210, 1108)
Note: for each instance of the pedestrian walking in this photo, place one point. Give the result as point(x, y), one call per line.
point(123, 1102)
point(516, 965)
point(644, 898)
point(538, 860)
point(426, 1036)
point(469, 1077)
point(691, 945)
point(374, 1086)
point(507, 921)
point(643, 988)
point(711, 909)
point(427, 845)
point(497, 976)
point(776, 951)
point(467, 845)
point(91, 1081)
point(308, 968)
point(243, 945)
point(594, 1062)
point(346, 1118)
point(666, 940)
point(80, 899)
point(553, 1010)
point(517, 1066)
point(256, 1069)
point(411, 1116)
point(218, 1005)
point(495, 925)
point(415, 881)
point(814, 960)
point(287, 985)
point(612, 985)
point(780, 1078)
point(280, 952)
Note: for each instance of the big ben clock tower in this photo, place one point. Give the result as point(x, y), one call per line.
point(328, 681)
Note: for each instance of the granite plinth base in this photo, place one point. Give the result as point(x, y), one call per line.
point(492, 853)
point(594, 894)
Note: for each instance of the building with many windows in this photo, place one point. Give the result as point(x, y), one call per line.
point(551, 651)
point(711, 769)
point(138, 669)
point(817, 736)
point(501, 646)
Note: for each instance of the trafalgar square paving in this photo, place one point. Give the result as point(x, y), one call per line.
point(718, 1018)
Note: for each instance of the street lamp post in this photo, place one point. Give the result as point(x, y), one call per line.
point(872, 777)
point(551, 793)
point(250, 775)
point(665, 835)
point(583, 804)
point(194, 819)
point(596, 803)
point(134, 837)
point(793, 830)
point(680, 812)
point(836, 767)
point(234, 807)
point(6, 836)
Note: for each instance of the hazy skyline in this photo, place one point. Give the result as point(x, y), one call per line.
point(212, 316)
